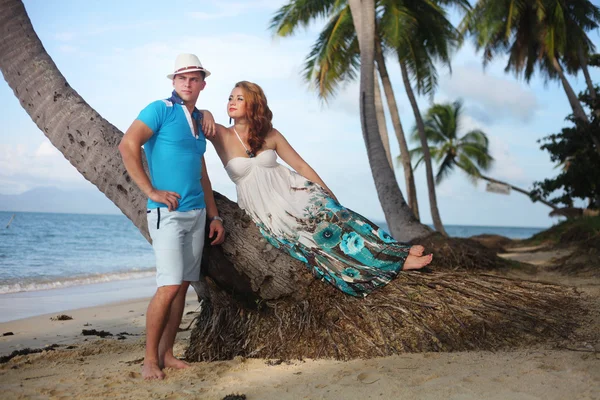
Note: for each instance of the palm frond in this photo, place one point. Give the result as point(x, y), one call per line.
point(300, 13)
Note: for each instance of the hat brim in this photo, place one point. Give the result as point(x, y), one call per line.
point(206, 73)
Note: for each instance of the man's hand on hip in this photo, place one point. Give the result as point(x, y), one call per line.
point(170, 199)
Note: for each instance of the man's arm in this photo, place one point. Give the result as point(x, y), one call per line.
point(131, 151)
point(216, 226)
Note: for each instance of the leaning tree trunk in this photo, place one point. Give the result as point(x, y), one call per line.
point(383, 132)
point(260, 302)
point(409, 178)
point(583, 60)
point(435, 213)
point(578, 111)
point(516, 189)
point(90, 144)
point(400, 219)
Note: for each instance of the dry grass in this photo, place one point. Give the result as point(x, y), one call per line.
point(441, 311)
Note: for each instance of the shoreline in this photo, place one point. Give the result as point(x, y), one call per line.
point(37, 332)
point(26, 304)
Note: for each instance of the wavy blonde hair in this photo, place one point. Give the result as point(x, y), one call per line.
point(258, 114)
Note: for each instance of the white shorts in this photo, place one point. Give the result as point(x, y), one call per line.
point(178, 241)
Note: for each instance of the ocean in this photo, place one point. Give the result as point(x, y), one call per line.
point(44, 254)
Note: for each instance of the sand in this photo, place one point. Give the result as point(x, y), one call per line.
point(86, 367)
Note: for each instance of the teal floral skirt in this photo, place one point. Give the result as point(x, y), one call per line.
point(338, 245)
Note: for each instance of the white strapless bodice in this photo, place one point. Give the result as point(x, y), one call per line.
point(270, 192)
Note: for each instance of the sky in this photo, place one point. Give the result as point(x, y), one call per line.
point(117, 54)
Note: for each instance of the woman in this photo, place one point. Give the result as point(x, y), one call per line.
point(295, 211)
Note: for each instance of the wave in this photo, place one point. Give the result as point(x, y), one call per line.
point(62, 282)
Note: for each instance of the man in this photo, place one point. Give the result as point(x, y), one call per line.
point(180, 198)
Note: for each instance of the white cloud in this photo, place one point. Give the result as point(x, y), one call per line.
point(506, 167)
point(490, 97)
point(23, 168)
point(46, 149)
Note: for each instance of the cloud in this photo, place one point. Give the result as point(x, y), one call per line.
point(506, 166)
point(490, 97)
point(23, 168)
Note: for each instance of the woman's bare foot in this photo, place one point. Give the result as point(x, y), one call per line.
point(175, 363)
point(152, 371)
point(413, 262)
point(416, 250)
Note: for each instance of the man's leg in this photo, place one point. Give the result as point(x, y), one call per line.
point(165, 349)
point(193, 244)
point(156, 320)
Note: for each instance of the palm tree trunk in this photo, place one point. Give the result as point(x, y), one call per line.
point(586, 72)
point(383, 132)
point(409, 178)
point(435, 214)
point(399, 217)
point(525, 192)
point(578, 111)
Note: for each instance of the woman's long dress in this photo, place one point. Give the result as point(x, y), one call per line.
point(299, 217)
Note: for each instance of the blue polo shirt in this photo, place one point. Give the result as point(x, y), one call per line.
point(174, 153)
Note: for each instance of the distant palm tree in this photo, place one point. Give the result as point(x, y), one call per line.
point(469, 152)
point(548, 34)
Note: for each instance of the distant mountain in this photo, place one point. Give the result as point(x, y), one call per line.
point(52, 199)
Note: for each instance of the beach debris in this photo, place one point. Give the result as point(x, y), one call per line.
point(24, 352)
point(93, 332)
point(61, 317)
point(235, 396)
point(279, 361)
point(7, 334)
point(87, 324)
point(136, 361)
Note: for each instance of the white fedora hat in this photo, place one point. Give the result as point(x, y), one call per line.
point(187, 63)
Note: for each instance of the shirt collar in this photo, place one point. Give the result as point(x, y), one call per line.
point(196, 114)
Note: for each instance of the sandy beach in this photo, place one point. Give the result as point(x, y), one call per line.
point(82, 367)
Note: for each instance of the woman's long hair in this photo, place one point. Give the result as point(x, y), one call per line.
point(258, 114)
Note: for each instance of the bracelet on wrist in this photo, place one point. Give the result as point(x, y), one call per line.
point(216, 218)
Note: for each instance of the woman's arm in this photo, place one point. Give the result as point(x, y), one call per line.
point(293, 159)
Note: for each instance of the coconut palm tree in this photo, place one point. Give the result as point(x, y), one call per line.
point(548, 34)
point(570, 21)
point(335, 58)
point(421, 40)
point(469, 152)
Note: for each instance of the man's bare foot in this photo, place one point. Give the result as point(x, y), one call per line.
point(175, 363)
point(416, 250)
point(152, 371)
point(413, 262)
